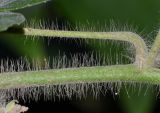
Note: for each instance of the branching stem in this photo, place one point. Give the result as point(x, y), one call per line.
point(122, 73)
point(136, 40)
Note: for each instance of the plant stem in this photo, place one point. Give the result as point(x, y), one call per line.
point(118, 73)
point(154, 51)
point(136, 40)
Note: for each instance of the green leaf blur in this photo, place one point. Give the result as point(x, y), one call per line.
point(8, 19)
point(7, 5)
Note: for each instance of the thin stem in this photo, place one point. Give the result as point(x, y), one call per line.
point(119, 73)
point(136, 40)
point(154, 51)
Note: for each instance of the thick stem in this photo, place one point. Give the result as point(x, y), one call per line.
point(127, 73)
point(154, 51)
point(136, 40)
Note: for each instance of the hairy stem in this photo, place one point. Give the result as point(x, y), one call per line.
point(136, 40)
point(154, 51)
point(117, 73)
point(120, 73)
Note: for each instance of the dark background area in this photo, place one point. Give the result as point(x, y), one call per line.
point(142, 16)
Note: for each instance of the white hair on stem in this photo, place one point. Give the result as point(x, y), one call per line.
point(139, 73)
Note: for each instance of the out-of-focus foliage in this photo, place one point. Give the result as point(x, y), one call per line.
point(6, 5)
point(8, 19)
point(141, 13)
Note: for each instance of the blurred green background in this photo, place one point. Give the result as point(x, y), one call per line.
point(141, 16)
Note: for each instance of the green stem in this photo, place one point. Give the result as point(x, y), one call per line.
point(118, 73)
point(136, 40)
point(154, 51)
